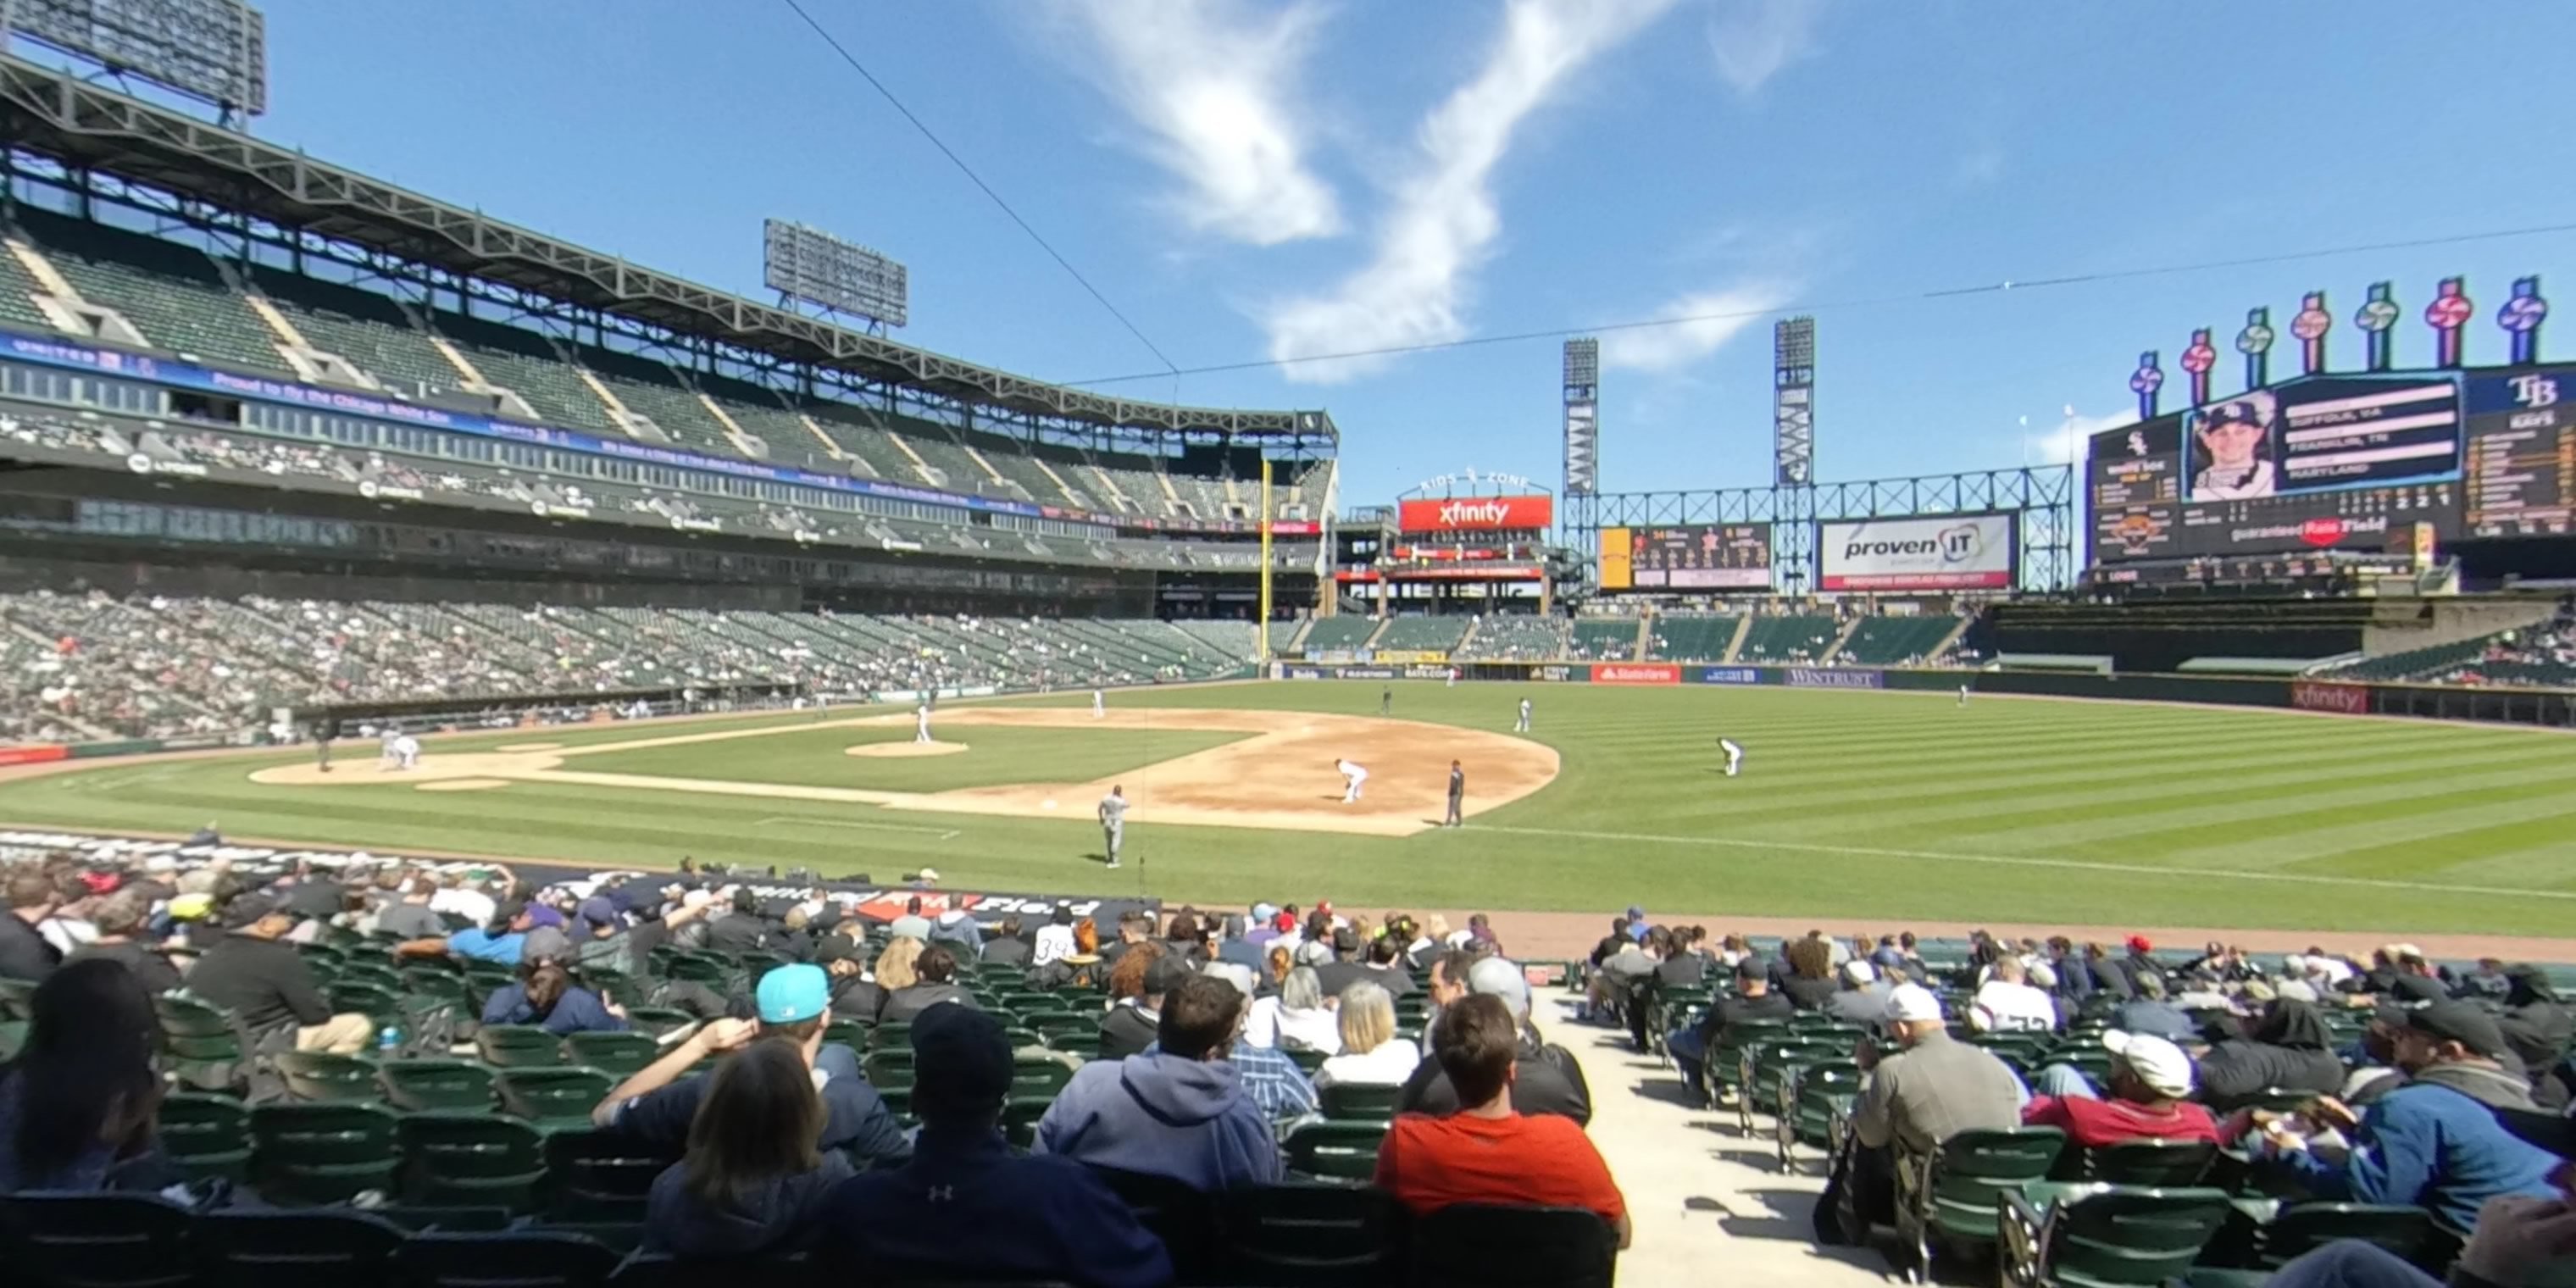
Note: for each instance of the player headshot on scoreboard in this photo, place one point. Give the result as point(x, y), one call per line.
point(2235, 440)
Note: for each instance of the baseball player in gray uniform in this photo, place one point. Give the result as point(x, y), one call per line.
point(1113, 821)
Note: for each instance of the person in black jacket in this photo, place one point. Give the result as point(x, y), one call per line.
point(264, 983)
point(1753, 1000)
point(1545, 1078)
point(2535, 1023)
point(1129, 1029)
point(742, 930)
point(24, 953)
point(1007, 947)
point(119, 919)
point(2288, 1046)
point(937, 983)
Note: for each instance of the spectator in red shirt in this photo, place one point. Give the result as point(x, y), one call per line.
point(2150, 1086)
point(1486, 1152)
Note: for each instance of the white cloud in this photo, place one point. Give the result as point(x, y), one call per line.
point(1442, 222)
point(1216, 86)
point(1753, 39)
point(2063, 442)
point(1713, 318)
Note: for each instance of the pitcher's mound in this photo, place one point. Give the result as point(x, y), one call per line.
point(907, 749)
point(462, 785)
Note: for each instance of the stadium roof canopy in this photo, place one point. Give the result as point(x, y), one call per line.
point(85, 126)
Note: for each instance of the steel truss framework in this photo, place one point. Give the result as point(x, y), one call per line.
point(2043, 497)
point(97, 143)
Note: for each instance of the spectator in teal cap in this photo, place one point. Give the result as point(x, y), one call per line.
point(653, 1109)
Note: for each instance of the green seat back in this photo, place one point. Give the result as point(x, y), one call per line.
point(304, 1154)
point(13, 1038)
point(2125, 1236)
point(1307, 1061)
point(654, 1021)
point(206, 1136)
point(415, 1086)
point(616, 1054)
point(1020, 1115)
point(1970, 1169)
point(1821, 1089)
point(1335, 1150)
point(318, 1076)
point(518, 1046)
point(2169, 1163)
point(1038, 1076)
point(1359, 1101)
point(553, 1099)
point(470, 1160)
point(894, 1035)
point(2408, 1232)
point(886, 1068)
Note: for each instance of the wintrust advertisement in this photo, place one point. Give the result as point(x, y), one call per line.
point(1948, 552)
point(1477, 514)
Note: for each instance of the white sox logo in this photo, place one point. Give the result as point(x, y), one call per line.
point(1473, 514)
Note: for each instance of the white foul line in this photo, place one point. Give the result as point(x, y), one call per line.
point(2142, 869)
point(874, 827)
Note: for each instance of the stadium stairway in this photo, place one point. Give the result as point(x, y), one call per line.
point(1734, 646)
point(1835, 649)
point(1698, 1194)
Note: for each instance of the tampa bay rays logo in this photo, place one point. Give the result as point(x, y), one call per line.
point(2534, 391)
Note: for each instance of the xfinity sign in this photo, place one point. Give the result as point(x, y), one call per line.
point(1476, 514)
point(1945, 552)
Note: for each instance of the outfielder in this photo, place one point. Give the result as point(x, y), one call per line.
point(1963, 695)
point(1734, 755)
point(1453, 677)
point(1386, 700)
point(1099, 705)
point(921, 723)
point(1523, 726)
point(1356, 775)
point(1113, 821)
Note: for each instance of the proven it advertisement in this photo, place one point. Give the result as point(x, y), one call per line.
point(1947, 552)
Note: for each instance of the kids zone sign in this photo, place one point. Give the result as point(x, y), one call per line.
point(1477, 514)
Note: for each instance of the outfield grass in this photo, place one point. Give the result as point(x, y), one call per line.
point(1874, 808)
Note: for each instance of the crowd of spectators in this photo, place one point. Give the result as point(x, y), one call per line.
point(780, 1141)
point(2542, 655)
point(77, 667)
point(2387, 1081)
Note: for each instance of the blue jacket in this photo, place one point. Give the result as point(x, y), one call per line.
point(1166, 1115)
point(2431, 1146)
point(484, 946)
point(942, 1210)
point(578, 1011)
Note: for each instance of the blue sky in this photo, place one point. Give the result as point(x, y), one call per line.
point(1256, 180)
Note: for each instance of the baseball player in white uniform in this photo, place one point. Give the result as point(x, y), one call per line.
point(1734, 755)
point(1099, 705)
point(1355, 775)
point(921, 723)
point(1963, 695)
point(1523, 726)
point(406, 752)
point(386, 758)
point(1113, 822)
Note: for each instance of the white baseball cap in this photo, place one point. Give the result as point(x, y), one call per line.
point(1913, 1004)
point(2158, 1063)
point(1859, 971)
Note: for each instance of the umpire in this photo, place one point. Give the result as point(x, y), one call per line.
point(1457, 793)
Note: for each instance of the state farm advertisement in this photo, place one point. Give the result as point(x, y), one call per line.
point(1639, 673)
point(1948, 552)
point(1479, 514)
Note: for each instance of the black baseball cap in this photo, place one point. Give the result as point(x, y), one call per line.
point(961, 1061)
point(2418, 990)
point(2235, 411)
point(1166, 974)
point(251, 907)
point(2462, 1023)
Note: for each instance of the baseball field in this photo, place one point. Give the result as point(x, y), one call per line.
point(1860, 809)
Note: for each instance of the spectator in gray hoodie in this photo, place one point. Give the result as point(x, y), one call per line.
point(1178, 1110)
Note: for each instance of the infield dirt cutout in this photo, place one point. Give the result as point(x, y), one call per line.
point(1280, 776)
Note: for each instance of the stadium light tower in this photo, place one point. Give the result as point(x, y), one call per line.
point(1582, 430)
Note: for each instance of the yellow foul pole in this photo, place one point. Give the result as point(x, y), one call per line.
point(1263, 632)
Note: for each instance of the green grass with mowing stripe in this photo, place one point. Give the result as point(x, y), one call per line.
point(1876, 808)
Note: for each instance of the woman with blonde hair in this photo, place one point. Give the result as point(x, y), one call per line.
point(755, 1178)
point(894, 970)
point(1372, 1055)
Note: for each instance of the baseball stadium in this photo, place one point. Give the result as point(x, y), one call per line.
point(537, 689)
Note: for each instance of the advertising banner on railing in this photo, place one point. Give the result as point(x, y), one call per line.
point(1724, 675)
point(1810, 677)
point(1636, 673)
point(2326, 695)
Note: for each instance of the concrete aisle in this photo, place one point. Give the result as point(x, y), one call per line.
point(1705, 1202)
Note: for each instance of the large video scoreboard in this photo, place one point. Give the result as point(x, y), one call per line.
point(2339, 462)
point(1690, 556)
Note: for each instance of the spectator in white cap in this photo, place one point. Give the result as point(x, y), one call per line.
point(2150, 1089)
point(1932, 1088)
point(1863, 997)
